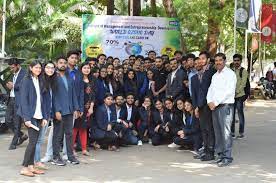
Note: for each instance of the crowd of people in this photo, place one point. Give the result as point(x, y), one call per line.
point(186, 102)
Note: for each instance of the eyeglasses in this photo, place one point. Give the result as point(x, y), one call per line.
point(48, 67)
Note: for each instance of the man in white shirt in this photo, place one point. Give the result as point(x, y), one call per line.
point(220, 99)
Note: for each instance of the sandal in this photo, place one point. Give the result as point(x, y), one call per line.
point(38, 172)
point(41, 167)
point(85, 153)
point(96, 146)
point(27, 173)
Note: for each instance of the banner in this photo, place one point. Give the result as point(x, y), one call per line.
point(274, 27)
point(254, 16)
point(266, 24)
point(242, 13)
point(122, 36)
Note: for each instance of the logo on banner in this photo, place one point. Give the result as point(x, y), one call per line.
point(241, 15)
point(266, 31)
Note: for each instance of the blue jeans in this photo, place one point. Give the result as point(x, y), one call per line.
point(40, 141)
point(239, 103)
point(129, 138)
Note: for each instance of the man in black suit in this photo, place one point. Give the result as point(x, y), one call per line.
point(13, 120)
point(199, 88)
point(175, 87)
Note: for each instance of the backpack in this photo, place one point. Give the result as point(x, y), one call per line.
point(247, 87)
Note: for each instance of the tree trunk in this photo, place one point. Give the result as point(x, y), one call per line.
point(215, 8)
point(169, 8)
point(110, 7)
point(153, 8)
point(171, 12)
point(136, 6)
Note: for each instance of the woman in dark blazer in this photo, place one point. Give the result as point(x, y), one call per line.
point(33, 113)
point(161, 121)
point(145, 125)
point(48, 78)
point(102, 86)
point(189, 132)
point(101, 129)
point(130, 83)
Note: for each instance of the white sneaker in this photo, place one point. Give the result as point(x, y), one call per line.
point(65, 157)
point(140, 143)
point(46, 159)
point(173, 145)
point(150, 142)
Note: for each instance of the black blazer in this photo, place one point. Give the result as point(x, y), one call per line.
point(134, 114)
point(157, 120)
point(28, 99)
point(17, 85)
point(65, 101)
point(99, 126)
point(175, 88)
point(200, 89)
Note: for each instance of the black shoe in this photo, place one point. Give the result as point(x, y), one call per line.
point(198, 156)
point(22, 139)
point(73, 161)
point(58, 162)
point(207, 157)
point(224, 163)
point(240, 136)
point(12, 147)
point(216, 161)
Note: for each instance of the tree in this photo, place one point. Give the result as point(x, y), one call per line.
point(110, 7)
point(153, 8)
point(215, 9)
point(136, 7)
point(169, 8)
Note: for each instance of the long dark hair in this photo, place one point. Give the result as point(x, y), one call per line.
point(49, 82)
point(32, 64)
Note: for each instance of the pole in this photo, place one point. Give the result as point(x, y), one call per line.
point(260, 57)
point(245, 49)
point(264, 57)
point(3, 28)
point(130, 7)
point(251, 60)
point(235, 27)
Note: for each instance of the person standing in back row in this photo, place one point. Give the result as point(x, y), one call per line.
point(199, 85)
point(66, 107)
point(240, 95)
point(13, 120)
point(220, 99)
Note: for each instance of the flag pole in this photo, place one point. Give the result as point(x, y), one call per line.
point(3, 29)
point(264, 57)
point(245, 50)
point(235, 27)
point(251, 58)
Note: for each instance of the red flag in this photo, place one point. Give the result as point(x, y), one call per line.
point(267, 24)
point(274, 27)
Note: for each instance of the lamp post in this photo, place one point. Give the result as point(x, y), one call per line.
point(3, 28)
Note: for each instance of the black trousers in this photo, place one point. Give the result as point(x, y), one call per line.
point(110, 138)
point(160, 137)
point(65, 126)
point(207, 129)
point(14, 121)
point(194, 140)
point(30, 150)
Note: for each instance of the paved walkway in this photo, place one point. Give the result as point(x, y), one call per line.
point(254, 160)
